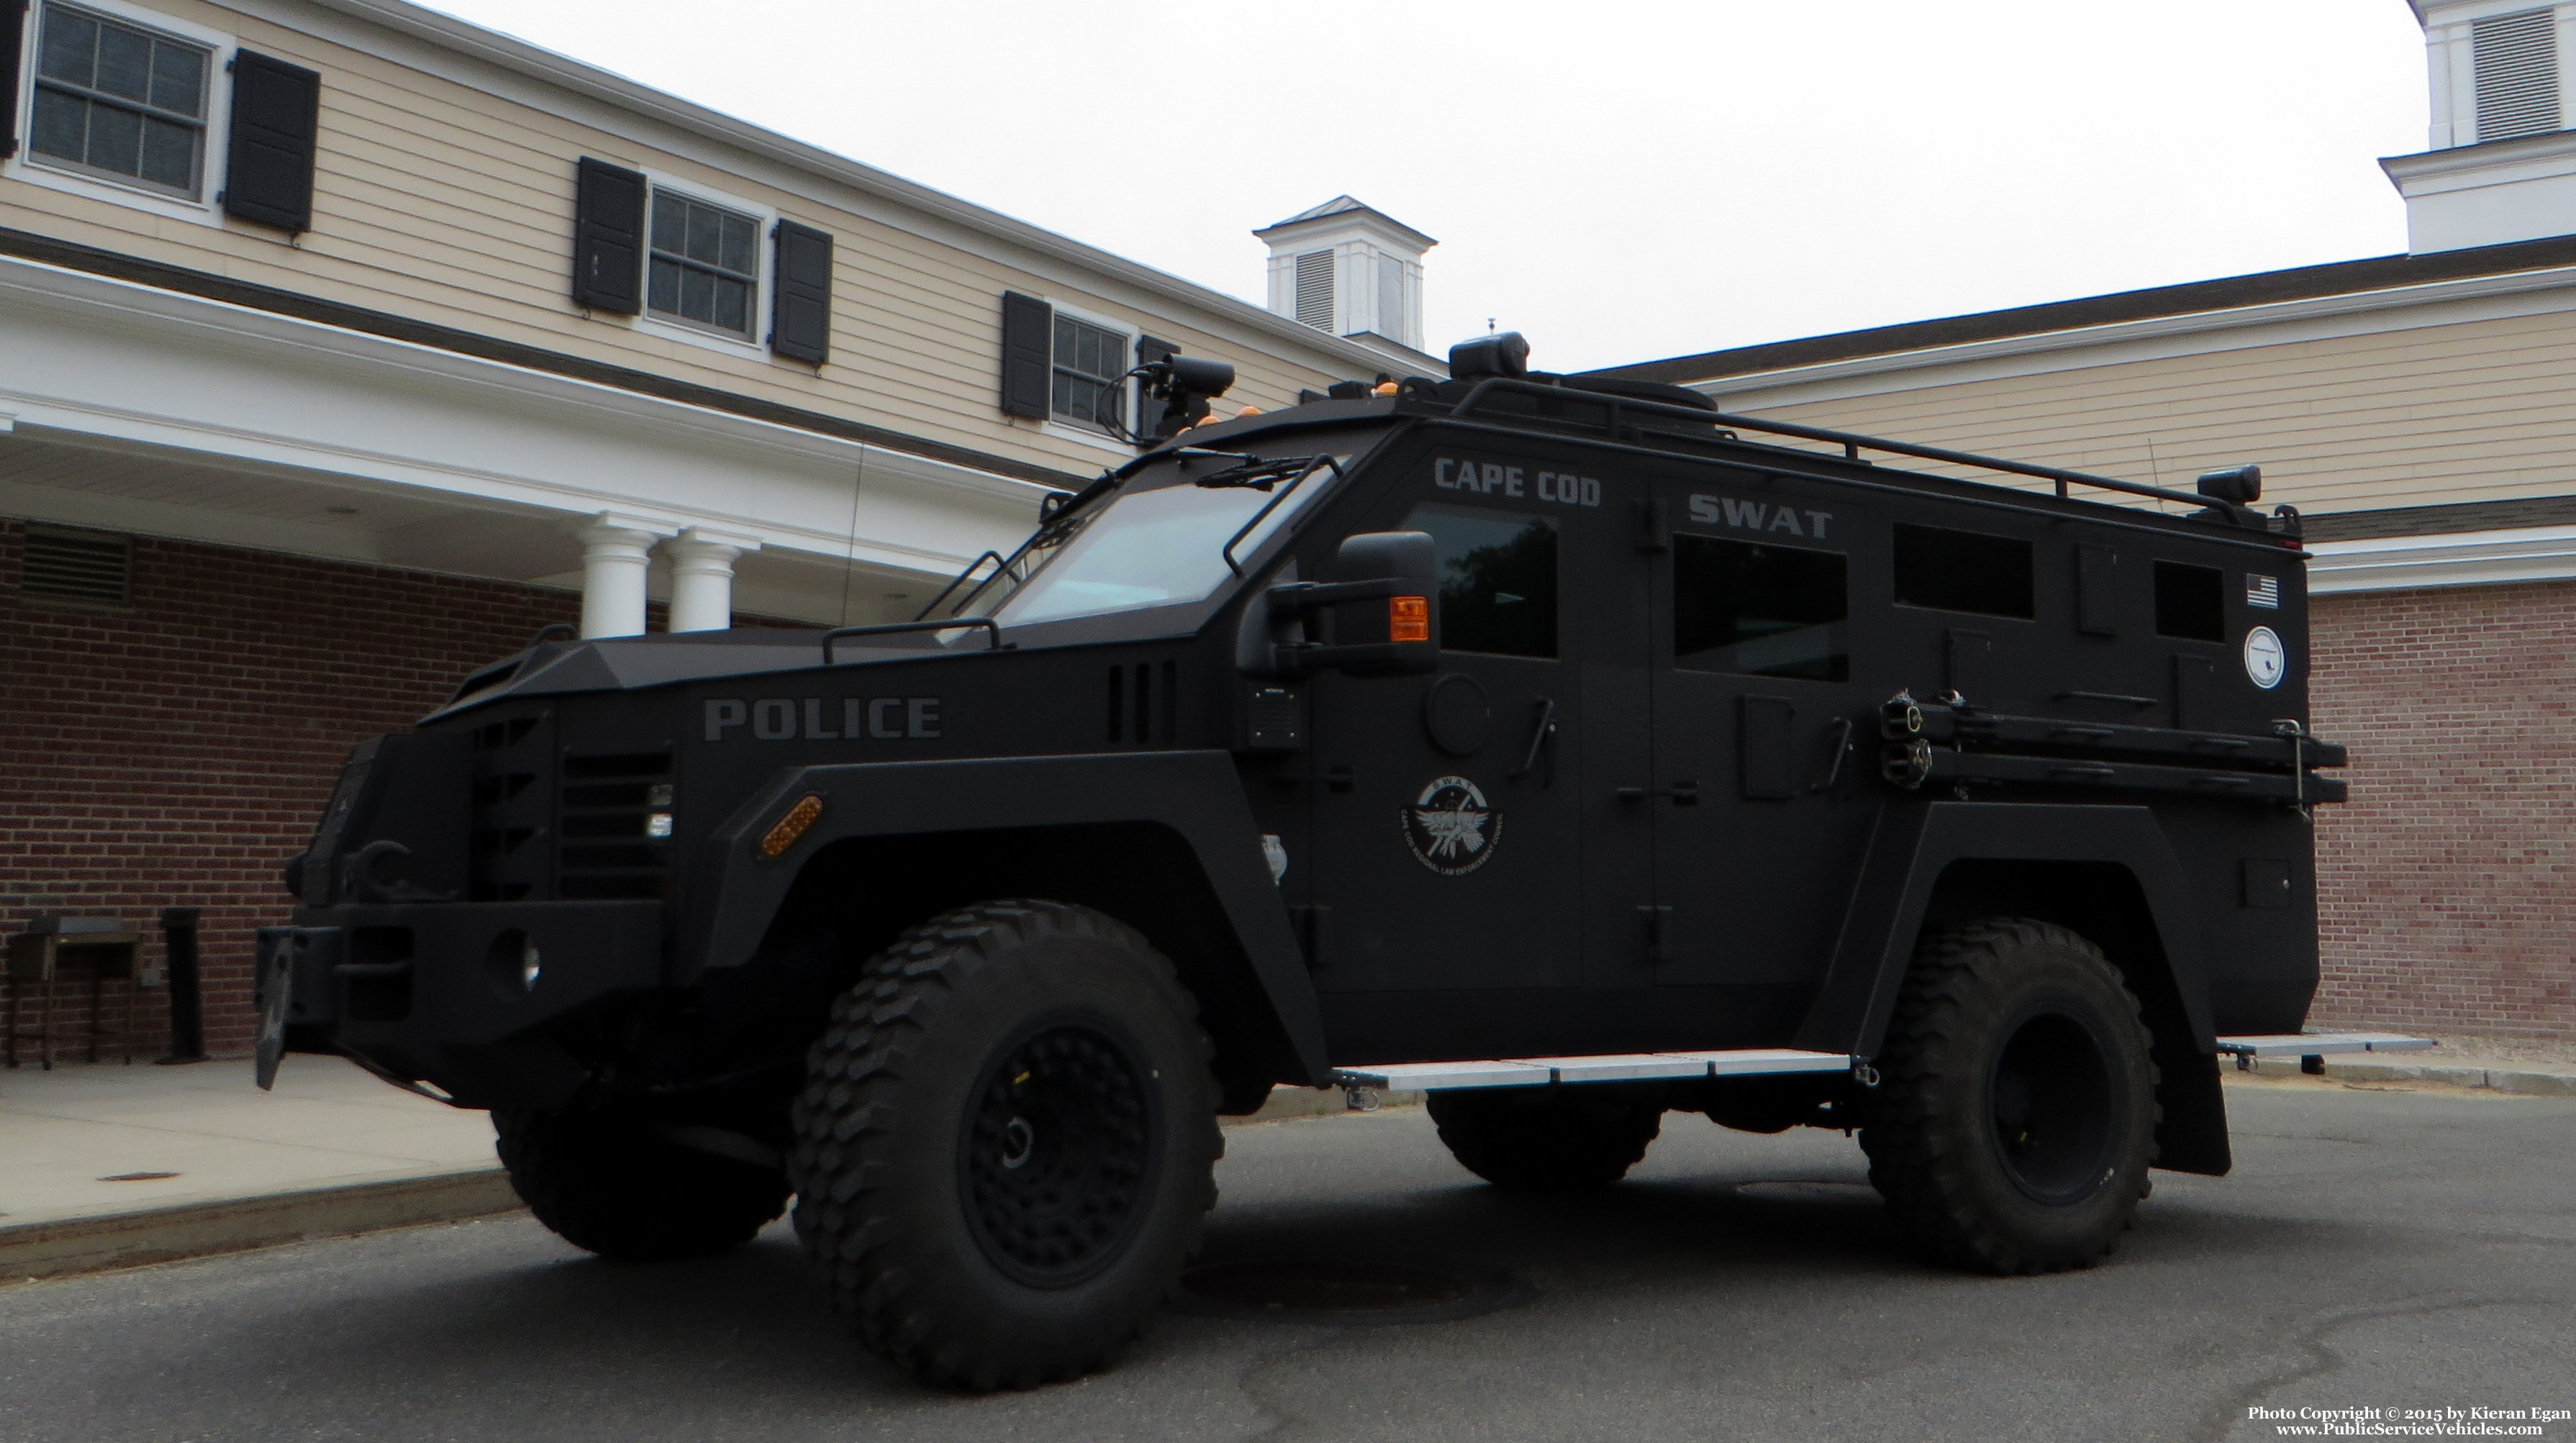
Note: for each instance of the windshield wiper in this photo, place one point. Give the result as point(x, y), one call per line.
point(1252, 473)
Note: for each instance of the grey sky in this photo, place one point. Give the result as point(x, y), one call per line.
point(1620, 180)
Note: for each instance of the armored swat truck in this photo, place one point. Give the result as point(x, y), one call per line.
point(1559, 746)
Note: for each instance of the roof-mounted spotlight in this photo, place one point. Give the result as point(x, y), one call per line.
point(2234, 486)
point(1185, 385)
point(1506, 355)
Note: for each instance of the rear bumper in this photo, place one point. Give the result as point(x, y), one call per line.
point(460, 995)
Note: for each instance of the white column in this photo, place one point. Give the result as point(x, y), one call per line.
point(702, 577)
point(615, 550)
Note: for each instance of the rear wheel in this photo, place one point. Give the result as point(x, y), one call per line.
point(613, 1182)
point(1006, 1144)
point(2016, 1116)
point(1546, 1138)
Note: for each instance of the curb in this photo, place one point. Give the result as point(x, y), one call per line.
point(2534, 1084)
point(29, 1251)
point(65, 1247)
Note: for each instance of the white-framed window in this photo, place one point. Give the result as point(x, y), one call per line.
point(707, 260)
point(1088, 385)
point(125, 104)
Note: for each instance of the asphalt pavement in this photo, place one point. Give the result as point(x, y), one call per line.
point(2378, 1247)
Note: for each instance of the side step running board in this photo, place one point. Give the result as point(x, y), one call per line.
point(1624, 1067)
point(2316, 1044)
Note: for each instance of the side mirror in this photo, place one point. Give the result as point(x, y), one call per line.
point(1379, 608)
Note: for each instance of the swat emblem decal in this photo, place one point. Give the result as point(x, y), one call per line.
point(1450, 828)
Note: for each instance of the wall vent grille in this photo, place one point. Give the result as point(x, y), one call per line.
point(1315, 290)
point(2517, 73)
point(72, 566)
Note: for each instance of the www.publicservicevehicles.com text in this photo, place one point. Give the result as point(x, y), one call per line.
point(2409, 1422)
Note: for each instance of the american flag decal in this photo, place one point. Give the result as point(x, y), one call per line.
point(2263, 591)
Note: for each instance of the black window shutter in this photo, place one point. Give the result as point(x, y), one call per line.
point(1149, 412)
point(13, 33)
point(1028, 354)
point(268, 166)
point(608, 239)
point(800, 314)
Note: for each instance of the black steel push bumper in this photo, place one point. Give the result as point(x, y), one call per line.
point(458, 995)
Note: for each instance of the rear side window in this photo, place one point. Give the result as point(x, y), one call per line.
point(1497, 579)
point(1759, 610)
point(2191, 602)
point(1963, 571)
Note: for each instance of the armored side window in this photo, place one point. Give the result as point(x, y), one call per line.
point(1963, 571)
point(1497, 579)
point(2191, 603)
point(1759, 610)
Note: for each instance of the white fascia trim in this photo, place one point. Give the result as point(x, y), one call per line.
point(106, 302)
point(2462, 558)
point(517, 56)
point(2433, 303)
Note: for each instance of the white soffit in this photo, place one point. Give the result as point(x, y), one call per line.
point(2460, 558)
point(2435, 303)
point(107, 362)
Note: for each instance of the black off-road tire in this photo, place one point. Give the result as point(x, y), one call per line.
point(609, 1182)
point(1006, 1145)
point(2015, 1117)
point(1547, 1139)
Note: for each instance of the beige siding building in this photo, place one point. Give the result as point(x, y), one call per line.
point(344, 345)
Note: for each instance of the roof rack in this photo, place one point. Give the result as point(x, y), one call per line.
point(1617, 409)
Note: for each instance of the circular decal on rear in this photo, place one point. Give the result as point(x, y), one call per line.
point(1450, 828)
point(2266, 659)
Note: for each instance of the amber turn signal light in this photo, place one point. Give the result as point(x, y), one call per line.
point(799, 819)
point(1408, 618)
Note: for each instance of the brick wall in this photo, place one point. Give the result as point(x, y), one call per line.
point(175, 752)
point(2448, 884)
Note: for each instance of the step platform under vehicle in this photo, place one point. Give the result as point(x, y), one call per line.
point(1772, 1061)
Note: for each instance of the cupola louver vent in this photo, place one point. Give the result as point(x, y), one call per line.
point(69, 566)
point(2517, 73)
point(1315, 289)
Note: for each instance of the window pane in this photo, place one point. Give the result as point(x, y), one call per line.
point(703, 245)
point(170, 154)
point(1497, 579)
point(1963, 571)
point(2191, 602)
point(179, 79)
point(1068, 339)
point(115, 139)
point(1759, 610)
point(124, 62)
point(662, 290)
point(61, 126)
point(737, 246)
point(670, 222)
point(71, 45)
point(697, 295)
point(733, 305)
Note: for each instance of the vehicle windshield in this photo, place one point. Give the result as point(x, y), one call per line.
point(1163, 546)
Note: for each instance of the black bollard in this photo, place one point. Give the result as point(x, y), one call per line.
point(187, 1001)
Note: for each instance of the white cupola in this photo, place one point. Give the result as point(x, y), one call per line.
point(1345, 268)
point(2502, 159)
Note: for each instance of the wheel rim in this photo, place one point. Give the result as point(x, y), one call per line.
point(2054, 1113)
point(1058, 1155)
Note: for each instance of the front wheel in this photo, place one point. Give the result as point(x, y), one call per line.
point(1006, 1144)
point(2016, 1117)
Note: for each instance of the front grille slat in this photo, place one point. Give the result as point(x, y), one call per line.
point(608, 801)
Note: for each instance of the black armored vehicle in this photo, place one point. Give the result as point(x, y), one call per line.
point(1555, 745)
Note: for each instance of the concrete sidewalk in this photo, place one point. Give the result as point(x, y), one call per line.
point(106, 1166)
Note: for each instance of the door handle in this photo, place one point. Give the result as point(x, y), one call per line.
point(1683, 794)
point(1542, 739)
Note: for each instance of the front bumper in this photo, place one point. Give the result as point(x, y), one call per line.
point(459, 995)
